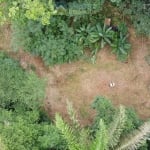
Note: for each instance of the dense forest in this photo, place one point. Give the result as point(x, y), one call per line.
point(63, 32)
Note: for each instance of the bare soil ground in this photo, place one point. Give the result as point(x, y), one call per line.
point(79, 82)
point(5, 35)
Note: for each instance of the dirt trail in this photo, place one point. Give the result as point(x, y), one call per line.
point(81, 81)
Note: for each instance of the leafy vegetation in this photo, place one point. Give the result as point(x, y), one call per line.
point(59, 31)
point(26, 131)
point(21, 87)
point(23, 124)
point(102, 35)
point(120, 45)
point(106, 136)
point(54, 43)
point(138, 12)
point(33, 10)
point(105, 110)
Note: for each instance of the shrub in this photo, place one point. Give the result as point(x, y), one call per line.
point(63, 38)
point(18, 89)
point(105, 110)
point(139, 14)
point(29, 10)
point(120, 45)
point(106, 137)
point(55, 44)
point(42, 31)
point(83, 34)
point(23, 125)
point(133, 121)
point(22, 131)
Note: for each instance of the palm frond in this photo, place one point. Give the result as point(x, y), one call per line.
point(117, 127)
point(101, 140)
point(81, 133)
point(73, 116)
point(136, 139)
point(84, 139)
point(67, 133)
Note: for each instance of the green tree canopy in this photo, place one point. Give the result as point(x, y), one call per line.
point(23, 123)
point(36, 10)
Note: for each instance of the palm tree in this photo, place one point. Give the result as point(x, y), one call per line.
point(78, 138)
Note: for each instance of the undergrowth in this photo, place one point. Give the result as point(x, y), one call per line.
point(77, 26)
point(24, 124)
point(139, 14)
point(63, 33)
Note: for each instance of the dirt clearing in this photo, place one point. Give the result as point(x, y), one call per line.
point(80, 82)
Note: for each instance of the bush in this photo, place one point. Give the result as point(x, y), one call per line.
point(22, 131)
point(23, 123)
point(105, 137)
point(55, 44)
point(133, 121)
point(139, 14)
point(77, 25)
point(105, 110)
point(120, 45)
point(19, 89)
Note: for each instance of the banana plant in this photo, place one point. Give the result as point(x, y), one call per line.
point(98, 38)
point(121, 47)
point(83, 34)
point(102, 35)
